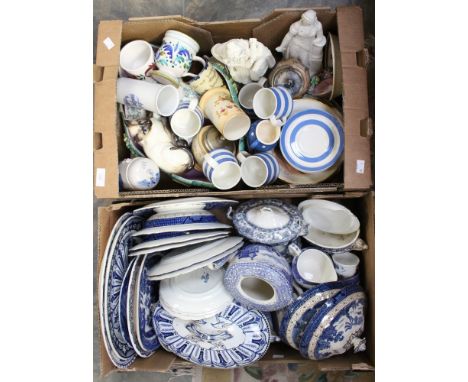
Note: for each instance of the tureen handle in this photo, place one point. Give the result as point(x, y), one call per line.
point(359, 245)
point(294, 250)
point(229, 212)
point(359, 344)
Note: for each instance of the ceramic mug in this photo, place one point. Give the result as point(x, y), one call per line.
point(227, 117)
point(207, 79)
point(139, 174)
point(187, 120)
point(160, 99)
point(259, 169)
point(346, 264)
point(137, 59)
point(176, 53)
point(273, 103)
point(247, 93)
point(221, 168)
point(311, 266)
point(263, 136)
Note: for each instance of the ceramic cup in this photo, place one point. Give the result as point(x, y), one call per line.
point(247, 93)
point(187, 120)
point(137, 59)
point(176, 53)
point(221, 168)
point(259, 169)
point(346, 264)
point(274, 104)
point(263, 136)
point(311, 267)
point(207, 79)
point(139, 174)
point(160, 99)
point(227, 117)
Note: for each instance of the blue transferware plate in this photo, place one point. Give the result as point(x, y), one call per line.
point(300, 312)
point(312, 140)
point(269, 221)
point(113, 268)
point(337, 326)
point(233, 338)
point(123, 302)
point(147, 299)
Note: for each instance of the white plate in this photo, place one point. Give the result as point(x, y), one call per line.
point(182, 227)
point(176, 239)
point(187, 204)
point(182, 258)
point(167, 247)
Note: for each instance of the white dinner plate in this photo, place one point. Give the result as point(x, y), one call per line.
point(182, 227)
point(187, 204)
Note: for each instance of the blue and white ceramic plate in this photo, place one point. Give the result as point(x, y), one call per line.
point(113, 268)
point(225, 257)
point(187, 204)
point(182, 228)
point(233, 338)
point(269, 221)
point(336, 326)
point(123, 302)
point(312, 140)
point(147, 294)
point(297, 315)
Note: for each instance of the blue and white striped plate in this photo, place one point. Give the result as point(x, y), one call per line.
point(312, 140)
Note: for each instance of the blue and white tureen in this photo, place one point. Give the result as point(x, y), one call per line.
point(235, 337)
point(269, 221)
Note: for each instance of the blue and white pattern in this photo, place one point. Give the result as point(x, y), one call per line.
point(220, 156)
point(336, 326)
point(147, 299)
point(133, 101)
point(253, 144)
point(156, 222)
point(263, 263)
point(151, 181)
point(186, 105)
point(285, 227)
point(312, 140)
point(272, 165)
point(235, 337)
point(284, 103)
point(123, 302)
point(185, 204)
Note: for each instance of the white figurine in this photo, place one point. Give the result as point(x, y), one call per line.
point(247, 60)
point(305, 42)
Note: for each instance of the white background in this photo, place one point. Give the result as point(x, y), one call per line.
point(46, 199)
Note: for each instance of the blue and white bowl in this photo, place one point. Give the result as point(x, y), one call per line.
point(260, 278)
point(312, 140)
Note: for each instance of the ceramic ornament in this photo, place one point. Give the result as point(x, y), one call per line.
point(305, 42)
point(247, 60)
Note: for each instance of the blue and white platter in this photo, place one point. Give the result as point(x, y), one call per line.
point(337, 325)
point(123, 301)
point(312, 140)
point(269, 221)
point(186, 204)
point(233, 338)
point(297, 315)
point(113, 268)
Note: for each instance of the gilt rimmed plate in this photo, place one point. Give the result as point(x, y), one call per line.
point(312, 140)
point(336, 326)
point(235, 337)
point(187, 204)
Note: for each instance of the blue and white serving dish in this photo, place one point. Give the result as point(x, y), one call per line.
point(186, 204)
point(337, 326)
point(123, 301)
point(312, 140)
point(269, 221)
point(260, 278)
point(113, 268)
point(235, 337)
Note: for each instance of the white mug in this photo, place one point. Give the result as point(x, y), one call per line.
point(259, 169)
point(160, 99)
point(273, 103)
point(137, 58)
point(187, 120)
point(221, 168)
point(247, 93)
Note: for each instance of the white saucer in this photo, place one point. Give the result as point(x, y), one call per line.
point(187, 204)
point(182, 227)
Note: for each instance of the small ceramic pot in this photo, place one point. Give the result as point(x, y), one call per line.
point(176, 53)
point(137, 59)
point(207, 79)
point(139, 174)
point(258, 170)
point(160, 99)
point(260, 278)
point(291, 75)
point(263, 136)
point(346, 264)
point(228, 118)
point(247, 93)
point(311, 267)
point(209, 139)
point(221, 168)
point(274, 103)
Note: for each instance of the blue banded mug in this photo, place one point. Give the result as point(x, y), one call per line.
point(221, 168)
point(259, 169)
point(263, 136)
point(273, 103)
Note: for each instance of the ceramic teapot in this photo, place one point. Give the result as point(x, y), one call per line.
point(160, 145)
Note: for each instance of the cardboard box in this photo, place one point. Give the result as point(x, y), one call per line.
point(109, 148)
point(361, 203)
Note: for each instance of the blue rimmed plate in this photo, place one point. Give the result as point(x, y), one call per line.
point(233, 338)
point(337, 325)
point(312, 140)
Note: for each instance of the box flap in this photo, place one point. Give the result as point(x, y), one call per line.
point(108, 43)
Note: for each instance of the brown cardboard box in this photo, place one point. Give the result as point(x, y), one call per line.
point(109, 148)
point(361, 203)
